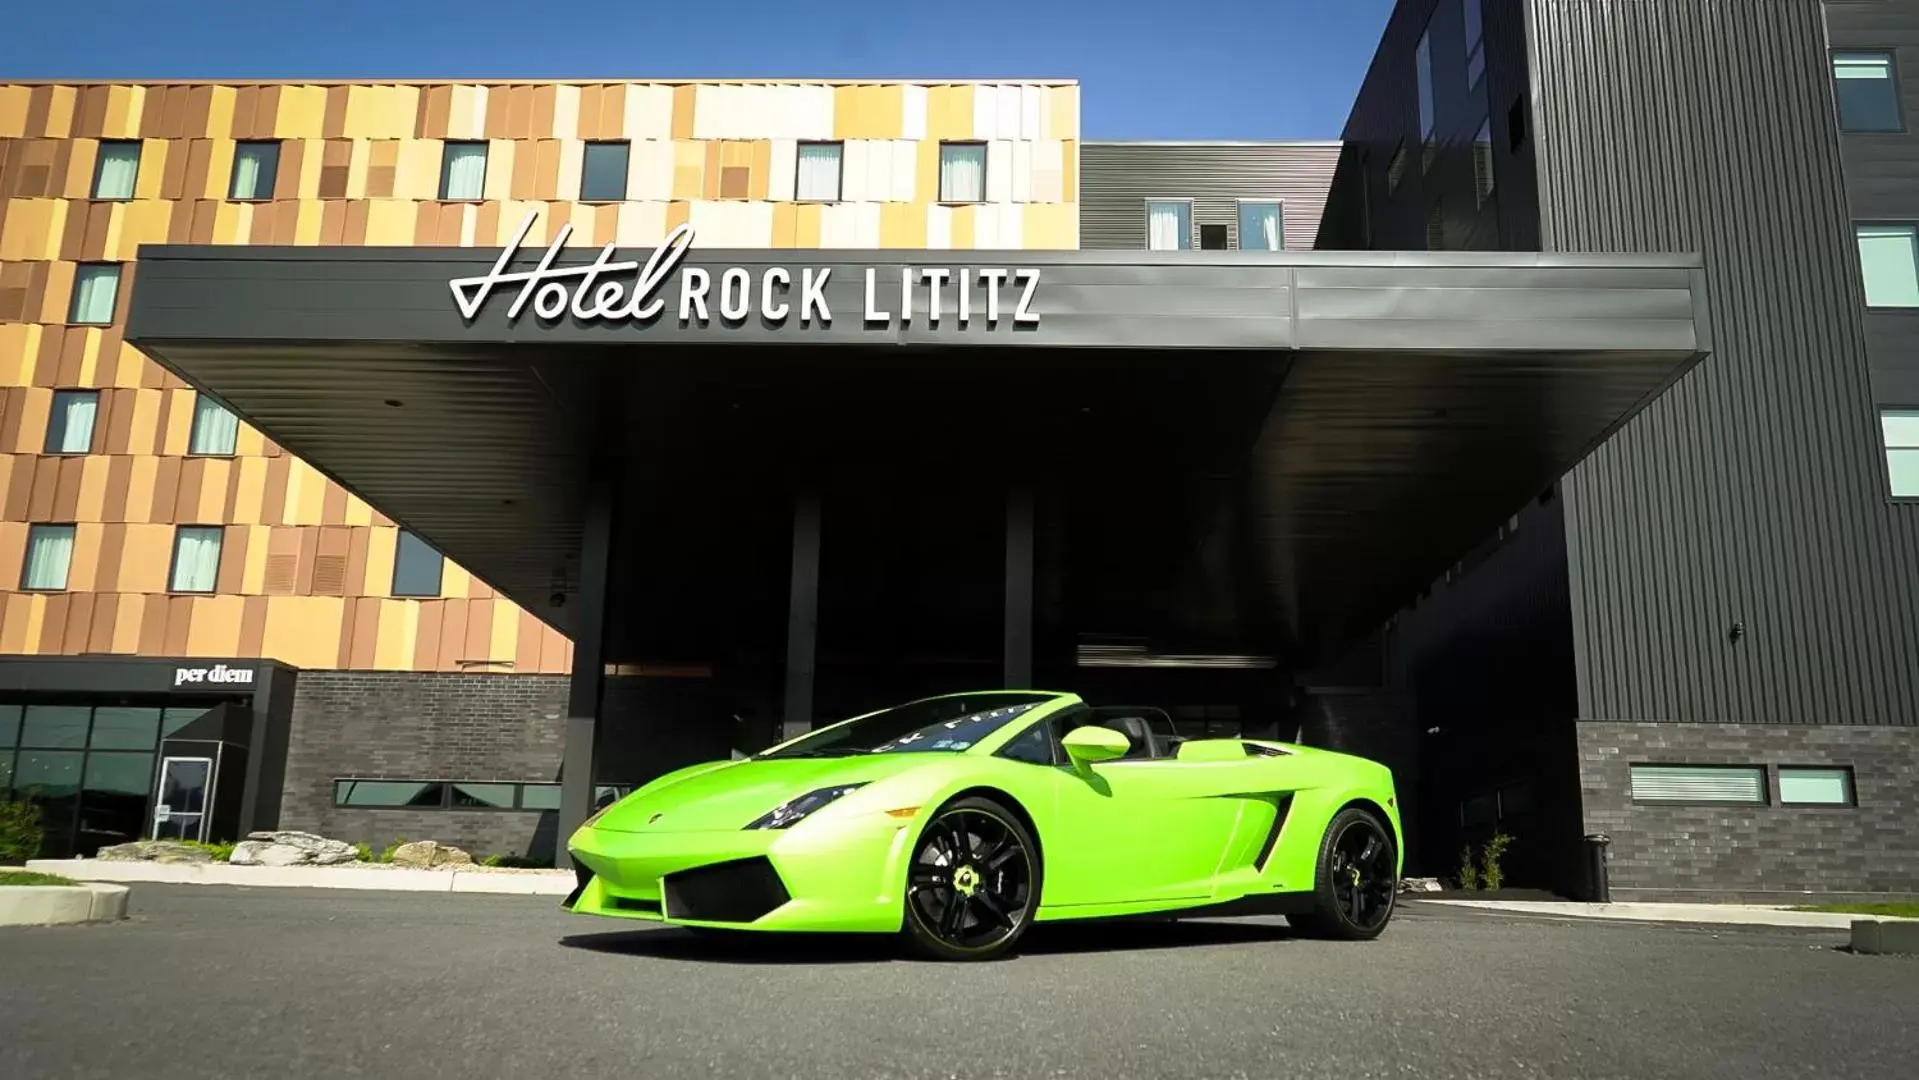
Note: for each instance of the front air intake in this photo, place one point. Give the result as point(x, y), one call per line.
point(739, 891)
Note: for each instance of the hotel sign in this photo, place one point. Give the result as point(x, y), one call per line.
point(606, 291)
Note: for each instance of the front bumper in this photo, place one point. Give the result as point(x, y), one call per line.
point(846, 876)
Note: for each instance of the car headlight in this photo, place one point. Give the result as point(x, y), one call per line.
point(793, 810)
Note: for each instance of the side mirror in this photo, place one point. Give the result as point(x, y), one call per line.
point(1091, 743)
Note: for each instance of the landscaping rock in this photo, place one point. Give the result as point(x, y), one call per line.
point(1419, 884)
point(427, 853)
point(157, 851)
point(291, 849)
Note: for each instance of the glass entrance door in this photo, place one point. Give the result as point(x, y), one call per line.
point(180, 813)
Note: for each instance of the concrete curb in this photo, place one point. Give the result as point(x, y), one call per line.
point(383, 879)
point(1700, 914)
point(1876, 936)
point(62, 905)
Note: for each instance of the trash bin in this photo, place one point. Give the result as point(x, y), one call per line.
point(1596, 873)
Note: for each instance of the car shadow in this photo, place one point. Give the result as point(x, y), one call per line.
point(669, 943)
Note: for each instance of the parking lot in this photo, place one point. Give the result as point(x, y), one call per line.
point(206, 982)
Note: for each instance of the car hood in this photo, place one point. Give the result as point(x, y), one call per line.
point(732, 794)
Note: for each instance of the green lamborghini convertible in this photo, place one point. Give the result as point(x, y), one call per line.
point(962, 820)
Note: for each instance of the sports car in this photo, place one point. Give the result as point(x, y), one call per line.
point(962, 820)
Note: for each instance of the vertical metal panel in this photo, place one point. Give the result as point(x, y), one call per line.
point(1881, 170)
point(1752, 492)
point(1116, 179)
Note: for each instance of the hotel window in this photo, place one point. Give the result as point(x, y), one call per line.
point(1890, 263)
point(1475, 41)
point(70, 425)
point(49, 554)
point(816, 172)
point(96, 293)
point(1809, 786)
point(1483, 161)
point(254, 167)
point(463, 171)
point(962, 172)
point(117, 170)
point(416, 567)
point(1169, 225)
point(1900, 429)
point(1261, 227)
point(1699, 784)
point(196, 558)
point(603, 171)
point(1424, 60)
point(1867, 89)
point(215, 432)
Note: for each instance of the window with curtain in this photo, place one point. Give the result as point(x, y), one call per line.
point(603, 171)
point(816, 172)
point(1475, 41)
point(215, 431)
point(463, 171)
point(255, 165)
point(117, 170)
point(416, 567)
point(96, 293)
point(196, 558)
point(1698, 783)
point(70, 426)
point(1889, 261)
point(1867, 90)
point(1900, 429)
point(49, 555)
point(1260, 227)
point(1169, 225)
point(1802, 785)
point(962, 172)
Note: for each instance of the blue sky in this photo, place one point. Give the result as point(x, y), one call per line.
point(1246, 69)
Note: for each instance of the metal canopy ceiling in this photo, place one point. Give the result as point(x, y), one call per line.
point(1424, 397)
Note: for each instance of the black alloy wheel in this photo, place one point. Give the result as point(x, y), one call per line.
point(973, 882)
point(1357, 882)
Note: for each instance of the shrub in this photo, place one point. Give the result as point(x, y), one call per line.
point(20, 831)
point(397, 844)
point(516, 862)
point(1494, 851)
point(363, 852)
point(1468, 870)
point(220, 852)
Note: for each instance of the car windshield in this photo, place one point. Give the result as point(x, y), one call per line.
point(949, 724)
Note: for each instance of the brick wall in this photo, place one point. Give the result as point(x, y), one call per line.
point(1756, 852)
point(407, 725)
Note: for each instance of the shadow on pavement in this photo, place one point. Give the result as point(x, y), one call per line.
point(669, 943)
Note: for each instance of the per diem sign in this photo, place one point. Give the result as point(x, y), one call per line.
point(599, 292)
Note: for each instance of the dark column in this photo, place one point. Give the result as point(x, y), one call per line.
point(577, 773)
point(802, 617)
point(1019, 588)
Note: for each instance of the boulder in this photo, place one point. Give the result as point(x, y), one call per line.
point(427, 853)
point(291, 849)
point(1419, 884)
point(158, 851)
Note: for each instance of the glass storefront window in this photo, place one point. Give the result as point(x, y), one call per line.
point(54, 726)
point(540, 797)
point(172, 720)
point(113, 803)
point(124, 728)
point(9, 725)
point(51, 780)
point(495, 796)
point(6, 770)
point(391, 794)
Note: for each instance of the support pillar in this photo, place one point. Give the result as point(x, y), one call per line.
point(1019, 588)
point(577, 774)
point(802, 618)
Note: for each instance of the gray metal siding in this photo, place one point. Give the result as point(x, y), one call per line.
point(1117, 179)
point(1753, 491)
point(1882, 178)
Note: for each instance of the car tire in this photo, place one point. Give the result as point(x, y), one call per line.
point(1355, 886)
point(995, 883)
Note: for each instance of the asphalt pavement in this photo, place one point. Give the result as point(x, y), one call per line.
point(207, 982)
